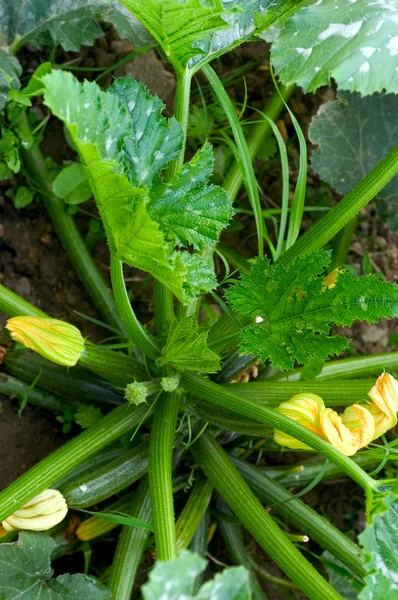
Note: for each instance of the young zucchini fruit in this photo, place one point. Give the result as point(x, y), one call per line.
point(108, 480)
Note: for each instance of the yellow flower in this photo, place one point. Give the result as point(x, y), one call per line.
point(41, 513)
point(56, 340)
point(304, 409)
point(384, 406)
point(349, 432)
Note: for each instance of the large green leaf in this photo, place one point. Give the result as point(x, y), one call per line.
point(297, 307)
point(193, 32)
point(10, 70)
point(380, 543)
point(26, 573)
point(353, 135)
point(186, 348)
point(353, 41)
point(175, 580)
point(124, 143)
point(69, 24)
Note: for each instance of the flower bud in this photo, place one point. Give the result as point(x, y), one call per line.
point(349, 432)
point(384, 406)
point(304, 409)
point(57, 341)
point(41, 513)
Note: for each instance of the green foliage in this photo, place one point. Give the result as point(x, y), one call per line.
point(175, 580)
point(68, 24)
point(88, 415)
point(353, 135)
point(186, 348)
point(10, 70)
point(124, 142)
point(299, 306)
point(72, 185)
point(380, 543)
point(25, 572)
point(23, 197)
point(193, 32)
point(356, 43)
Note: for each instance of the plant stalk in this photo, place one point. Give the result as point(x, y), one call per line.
point(69, 235)
point(134, 329)
point(327, 227)
point(301, 516)
point(110, 428)
point(131, 545)
point(217, 394)
point(236, 493)
point(13, 305)
point(160, 474)
point(193, 511)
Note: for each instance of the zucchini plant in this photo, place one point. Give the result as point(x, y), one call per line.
point(168, 432)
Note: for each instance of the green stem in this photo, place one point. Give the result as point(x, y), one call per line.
point(199, 545)
point(233, 539)
point(181, 113)
point(236, 493)
point(301, 475)
point(160, 474)
point(301, 516)
point(349, 368)
point(131, 545)
point(217, 394)
point(134, 329)
point(327, 227)
point(13, 305)
point(334, 392)
point(69, 235)
point(258, 134)
point(192, 513)
point(115, 367)
point(164, 308)
point(75, 385)
point(342, 244)
point(43, 474)
point(15, 388)
point(249, 176)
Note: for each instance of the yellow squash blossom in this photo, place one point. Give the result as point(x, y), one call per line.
point(41, 513)
point(304, 409)
point(355, 428)
point(384, 405)
point(56, 340)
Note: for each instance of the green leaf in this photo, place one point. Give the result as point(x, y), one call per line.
point(124, 142)
point(23, 197)
point(186, 348)
point(72, 185)
point(298, 308)
point(88, 415)
point(25, 572)
point(175, 580)
point(10, 70)
point(356, 43)
point(121, 519)
point(193, 32)
point(380, 543)
point(68, 24)
point(340, 578)
point(354, 134)
point(189, 208)
point(177, 26)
